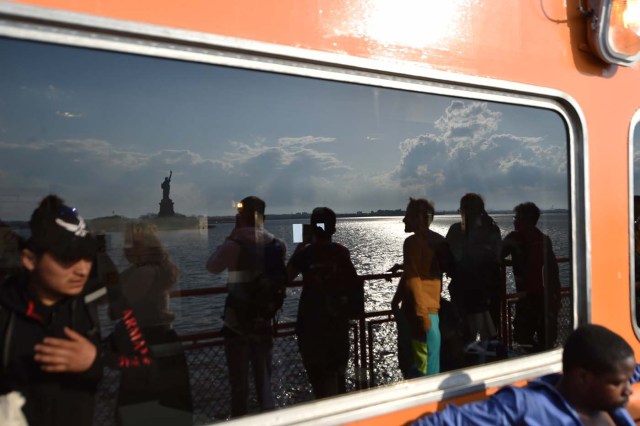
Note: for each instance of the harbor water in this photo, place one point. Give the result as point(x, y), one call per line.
point(375, 244)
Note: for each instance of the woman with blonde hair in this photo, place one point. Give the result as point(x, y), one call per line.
point(159, 391)
point(150, 276)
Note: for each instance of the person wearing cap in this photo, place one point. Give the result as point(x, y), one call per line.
point(47, 337)
point(598, 369)
point(332, 294)
point(246, 341)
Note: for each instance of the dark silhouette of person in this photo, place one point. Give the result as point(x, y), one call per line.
point(159, 392)
point(248, 339)
point(103, 285)
point(332, 294)
point(475, 287)
point(10, 246)
point(426, 256)
point(166, 186)
point(598, 369)
point(535, 270)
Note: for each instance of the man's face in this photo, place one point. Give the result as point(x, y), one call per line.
point(55, 279)
point(612, 390)
point(517, 222)
point(410, 219)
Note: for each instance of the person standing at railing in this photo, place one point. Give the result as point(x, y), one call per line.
point(248, 336)
point(476, 283)
point(332, 294)
point(416, 302)
point(536, 273)
point(159, 392)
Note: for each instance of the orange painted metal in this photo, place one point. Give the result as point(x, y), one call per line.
point(458, 36)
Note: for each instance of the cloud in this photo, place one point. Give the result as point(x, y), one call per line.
point(303, 141)
point(288, 170)
point(128, 182)
point(465, 151)
point(469, 155)
point(467, 122)
point(68, 114)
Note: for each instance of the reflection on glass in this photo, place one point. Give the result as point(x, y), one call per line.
point(636, 220)
point(475, 287)
point(537, 279)
point(160, 390)
point(103, 130)
point(332, 295)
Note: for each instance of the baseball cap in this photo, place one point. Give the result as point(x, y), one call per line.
point(59, 230)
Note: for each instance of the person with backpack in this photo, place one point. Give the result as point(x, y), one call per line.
point(48, 340)
point(332, 294)
point(255, 261)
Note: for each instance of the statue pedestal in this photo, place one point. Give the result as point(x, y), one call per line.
point(166, 207)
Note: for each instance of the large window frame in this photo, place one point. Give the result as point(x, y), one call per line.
point(71, 29)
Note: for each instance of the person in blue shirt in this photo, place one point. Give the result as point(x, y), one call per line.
point(594, 388)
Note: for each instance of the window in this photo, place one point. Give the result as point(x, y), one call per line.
point(634, 206)
point(178, 144)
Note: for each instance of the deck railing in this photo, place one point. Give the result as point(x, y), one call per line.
point(373, 359)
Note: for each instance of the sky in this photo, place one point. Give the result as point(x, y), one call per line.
point(103, 129)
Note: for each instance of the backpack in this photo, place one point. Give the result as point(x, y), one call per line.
point(258, 300)
point(333, 287)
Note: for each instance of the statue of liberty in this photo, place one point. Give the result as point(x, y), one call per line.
point(166, 186)
point(166, 204)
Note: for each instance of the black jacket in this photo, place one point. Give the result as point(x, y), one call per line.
point(51, 398)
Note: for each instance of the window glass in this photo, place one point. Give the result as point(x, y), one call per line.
point(156, 154)
point(635, 226)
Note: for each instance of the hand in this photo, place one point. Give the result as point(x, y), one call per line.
point(395, 268)
point(73, 355)
point(395, 304)
point(423, 326)
point(395, 301)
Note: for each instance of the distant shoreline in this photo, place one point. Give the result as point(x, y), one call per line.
point(304, 215)
point(379, 213)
